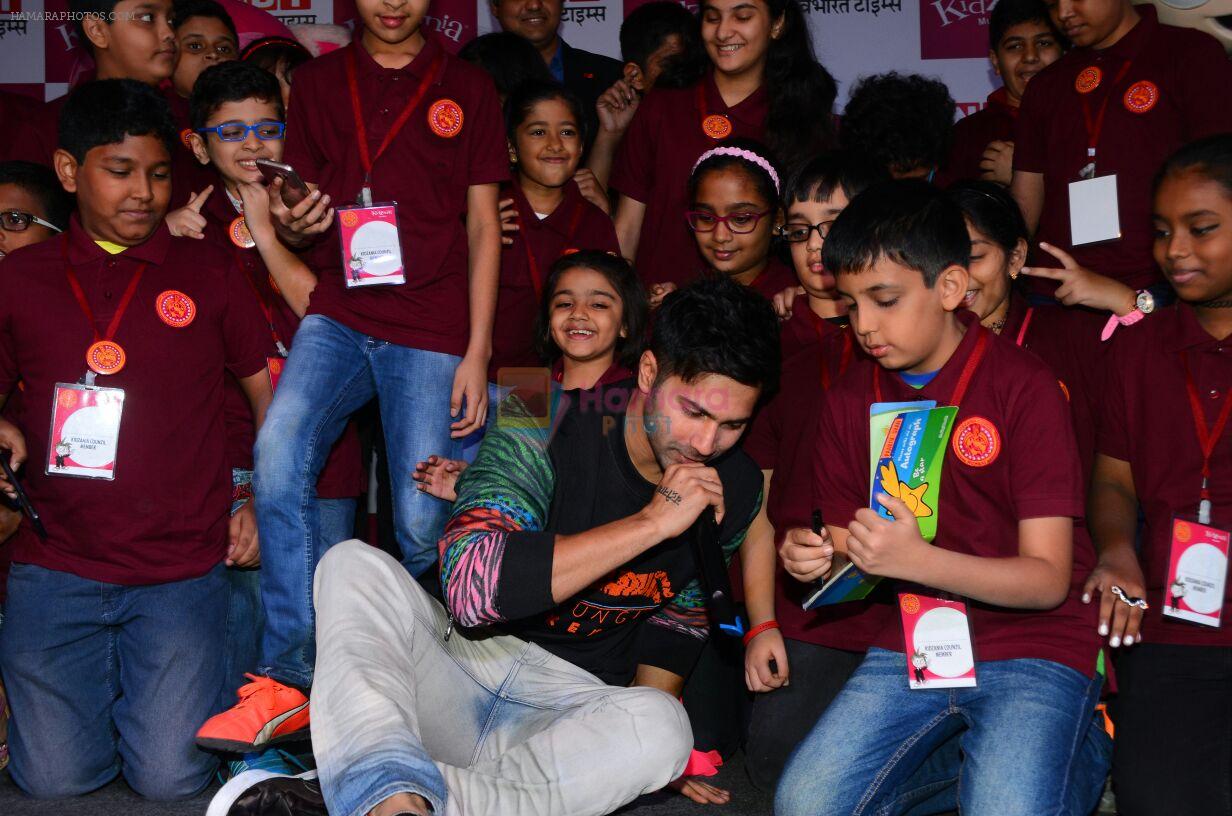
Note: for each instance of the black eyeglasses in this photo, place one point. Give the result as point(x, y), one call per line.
point(741, 223)
point(18, 221)
point(238, 131)
point(798, 233)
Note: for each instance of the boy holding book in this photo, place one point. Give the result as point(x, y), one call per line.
point(1001, 581)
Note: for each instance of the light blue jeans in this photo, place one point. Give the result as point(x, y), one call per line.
point(480, 723)
point(1025, 734)
point(332, 372)
point(106, 679)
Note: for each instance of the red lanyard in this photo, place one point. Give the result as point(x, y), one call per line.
point(80, 294)
point(1096, 126)
point(1208, 437)
point(361, 132)
point(265, 307)
point(532, 264)
point(818, 325)
point(1026, 323)
point(964, 379)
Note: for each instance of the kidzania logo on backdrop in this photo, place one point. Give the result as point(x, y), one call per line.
point(954, 29)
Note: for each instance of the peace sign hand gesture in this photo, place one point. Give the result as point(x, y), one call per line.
point(1082, 287)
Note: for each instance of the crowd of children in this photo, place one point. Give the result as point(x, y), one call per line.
point(558, 311)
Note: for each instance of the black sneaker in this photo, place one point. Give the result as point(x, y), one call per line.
point(263, 793)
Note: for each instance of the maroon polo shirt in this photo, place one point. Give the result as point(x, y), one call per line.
point(783, 439)
point(16, 112)
point(972, 134)
point(1177, 74)
point(343, 475)
point(574, 224)
point(1067, 340)
point(428, 175)
point(656, 158)
point(164, 517)
point(1146, 420)
point(1030, 469)
point(805, 329)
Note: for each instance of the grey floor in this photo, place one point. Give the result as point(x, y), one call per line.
point(117, 800)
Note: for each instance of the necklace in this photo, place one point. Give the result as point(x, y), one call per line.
point(1216, 304)
point(996, 326)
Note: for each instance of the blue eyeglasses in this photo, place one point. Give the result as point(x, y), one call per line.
point(238, 131)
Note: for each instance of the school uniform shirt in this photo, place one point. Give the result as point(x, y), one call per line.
point(1147, 421)
point(656, 158)
point(1011, 457)
point(425, 173)
point(1173, 92)
point(1067, 340)
point(16, 111)
point(343, 475)
point(804, 329)
point(164, 516)
point(971, 135)
point(783, 438)
point(575, 224)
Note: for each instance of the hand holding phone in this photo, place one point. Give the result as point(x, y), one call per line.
point(19, 494)
point(294, 190)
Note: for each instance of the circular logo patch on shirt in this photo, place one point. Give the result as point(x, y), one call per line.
point(445, 118)
point(186, 138)
point(910, 604)
point(717, 126)
point(105, 357)
point(1088, 79)
point(175, 308)
point(976, 442)
point(240, 236)
point(1141, 96)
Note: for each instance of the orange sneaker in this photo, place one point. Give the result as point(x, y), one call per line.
point(267, 712)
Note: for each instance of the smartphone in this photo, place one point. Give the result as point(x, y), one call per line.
point(23, 501)
point(293, 188)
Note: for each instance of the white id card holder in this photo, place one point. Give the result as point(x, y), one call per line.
point(1197, 572)
point(371, 249)
point(85, 431)
point(937, 636)
point(1093, 212)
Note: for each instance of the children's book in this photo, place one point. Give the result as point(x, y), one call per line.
point(907, 442)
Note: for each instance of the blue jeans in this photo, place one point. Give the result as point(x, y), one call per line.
point(246, 617)
point(1024, 735)
point(332, 372)
point(106, 679)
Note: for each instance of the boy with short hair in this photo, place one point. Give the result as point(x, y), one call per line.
point(205, 35)
point(1129, 93)
point(901, 121)
point(114, 620)
point(1010, 491)
point(414, 125)
point(650, 38)
point(1022, 41)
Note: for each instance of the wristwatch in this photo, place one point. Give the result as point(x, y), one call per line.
point(1144, 304)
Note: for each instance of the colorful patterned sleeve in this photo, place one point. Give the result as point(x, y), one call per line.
point(496, 559)
point(674, 635)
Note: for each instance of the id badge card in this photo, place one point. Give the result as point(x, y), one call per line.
point(371, 250)
point(937, 635)
point(1197, 572)
point(274, 366)
point(85, 431)
point(1093, 212)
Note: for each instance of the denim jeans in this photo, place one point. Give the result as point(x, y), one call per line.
point(331, 373)
point(480, 723)
point(246, 617)
point(1023, 731)
point(106, 679)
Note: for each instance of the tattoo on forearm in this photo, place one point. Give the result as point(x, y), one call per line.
point(669, 494)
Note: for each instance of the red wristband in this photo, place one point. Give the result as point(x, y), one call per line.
point(758, 629)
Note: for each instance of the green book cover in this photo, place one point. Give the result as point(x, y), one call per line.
point(910, 464)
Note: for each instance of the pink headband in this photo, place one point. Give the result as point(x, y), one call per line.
point(747, 155)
